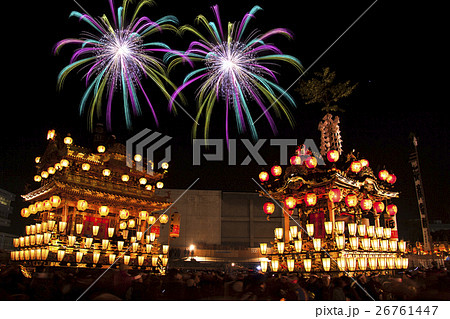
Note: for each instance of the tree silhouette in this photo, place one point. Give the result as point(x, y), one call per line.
point(322, 90)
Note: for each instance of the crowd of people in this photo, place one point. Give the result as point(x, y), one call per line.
point(238, 284)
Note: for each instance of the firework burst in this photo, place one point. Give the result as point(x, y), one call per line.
point(116, 58)
point(235, 69)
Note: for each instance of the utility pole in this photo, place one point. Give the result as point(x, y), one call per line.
point(414, 161)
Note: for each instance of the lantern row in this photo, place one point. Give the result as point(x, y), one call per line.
point(332, 156)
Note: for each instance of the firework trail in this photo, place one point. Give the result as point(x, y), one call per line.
point(236, 69)
point(115, 57)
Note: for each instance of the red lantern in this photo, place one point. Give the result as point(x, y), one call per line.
point(269, 208)
point(310, 199)
point(296, 160)
point(366, 204)
point(391, 179)
point(364, 162)
point(383, 175)
point(333, 156)
point(356, 167)
point(335, 195)
point(290, 202)
point(379, 207)
point(311, 162)
point(351, 200)
point(391, 209)
point(263, 176)
point(276, 170)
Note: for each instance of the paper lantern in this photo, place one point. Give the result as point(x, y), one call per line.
point(326, 264)
point(335, 195)
point(340, 242)
point(103, 211)
point(68, 140)
point(298, 245)
point(342, 263)
point(391, 209)
point(356, 167)
point(317, 243)
point(47, 205)
point(88, 242)
point(278, 233)
point(310, 199)
point(379, 207)
point(263, 265)
point(351, 200)
point(125, 178)
point(307, 263)
point(328, 227)
point(383, 175)
point(269, 208)
point(101, 149)
point(106, 172)
point(263, 176)
point(143, 215)
point(296, 160)
point(352, 227)
point(340, 227)
point(364, 162)
point(379, 231)
point(263, 248)
point(290, 202)
point(354, 242)
point(371, 231)
point(60, 255)
point(311, 162)
point(274, 264)
point(164, 219)
point(365, 243)
point(64, 163)
point(333, 156)
point(366, 204)
point(95, 257)
point(280, 247)
point(310, 229)
point(276, 170)
point(391, 179)
point(290, 263)
point(82, 205)
point(293, 230)
point(362, 263)
point(25, 212)
point(55, 201)
point(124, 213)
point(362, 230)
point(51, 134)
point(85, 166)
point(351, 263)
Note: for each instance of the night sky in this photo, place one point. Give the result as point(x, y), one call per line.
point(395, 53)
